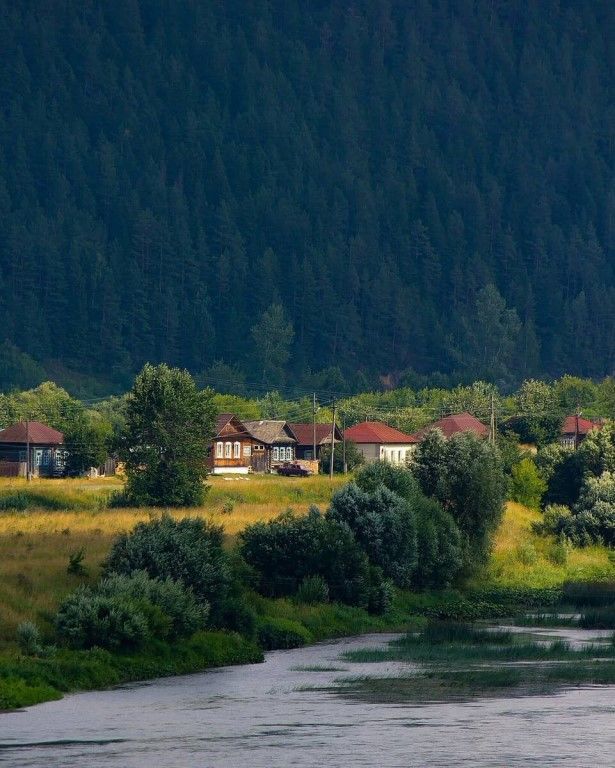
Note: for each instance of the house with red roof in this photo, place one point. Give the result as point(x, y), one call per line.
point(30, 447)
point(453, 425)
point(309, 435)
point(575, 429)
point(379, 442)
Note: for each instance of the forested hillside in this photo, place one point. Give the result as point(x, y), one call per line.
point(287, 186)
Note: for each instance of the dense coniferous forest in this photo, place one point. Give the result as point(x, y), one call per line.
point(385, 188)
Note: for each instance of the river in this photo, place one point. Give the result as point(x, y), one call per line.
point(277, 714)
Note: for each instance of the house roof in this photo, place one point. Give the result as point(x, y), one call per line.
point(304, 433)
point(457, 422)
point(224, 418)
point(33, 432)
point(569, 427)
point(377, 432)
point(269, 431)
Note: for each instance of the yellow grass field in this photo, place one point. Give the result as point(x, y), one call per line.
point(522, 558)
point(35, 545)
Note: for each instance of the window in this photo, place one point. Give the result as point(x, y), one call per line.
point(219, 450)
point(289, 453)
point(228, 450)
point(237, 451)
point(275, 453)
point(247, 450)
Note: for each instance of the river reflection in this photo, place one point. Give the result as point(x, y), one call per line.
point(277, 715)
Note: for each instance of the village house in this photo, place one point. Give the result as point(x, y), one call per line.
point(31, 447)
point(274, 444)
point(379, 442)
point(453, 425)
point(575, 429)
point(234, 450)
point(309, 434)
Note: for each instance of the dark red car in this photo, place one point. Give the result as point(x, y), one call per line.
point(292, 469)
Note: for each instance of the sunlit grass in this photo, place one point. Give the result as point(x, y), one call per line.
point(35, 544)
point(522, 558)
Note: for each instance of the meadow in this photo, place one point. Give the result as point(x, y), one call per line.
point(67, 516)
point(62, 517)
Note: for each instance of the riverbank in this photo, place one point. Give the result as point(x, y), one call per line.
point(28, 680)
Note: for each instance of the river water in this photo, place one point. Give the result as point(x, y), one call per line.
point(273, 715)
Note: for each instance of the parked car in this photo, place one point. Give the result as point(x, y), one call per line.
point(292, 469)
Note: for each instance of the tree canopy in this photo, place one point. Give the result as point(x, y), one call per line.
point(419, 187)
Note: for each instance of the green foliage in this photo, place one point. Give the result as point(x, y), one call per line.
point(381, 592)
point(176, 602)
point(75, 563)
point(598, 618)
point(288, 549)
point(464, 474)
point(18, 370)
point(87, 441)
point(86, 619)
point(354, 458)
point(312, 590)
point(274, 633)
point(188, 550)
point(528, 485)
point(596, 594)
point(542, 414)
point(29, 639)
point(395, 478)
point(439, 549)
point(383, 524)
point(169, 427)
point(273, 337)
point(126, 226)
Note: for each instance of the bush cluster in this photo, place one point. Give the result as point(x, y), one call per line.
point(124, 612)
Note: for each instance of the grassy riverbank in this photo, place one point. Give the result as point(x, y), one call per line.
point(44, 522)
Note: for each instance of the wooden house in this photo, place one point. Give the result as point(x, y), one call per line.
point(276, 443)
point(234, 450)
point(30, 446)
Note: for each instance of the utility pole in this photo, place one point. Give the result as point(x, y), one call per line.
point(344, 441)
point(492, 421)
point(314, 426)
point(28, 477)
point(332, 442)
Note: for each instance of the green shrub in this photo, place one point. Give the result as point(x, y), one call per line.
point(172, 598)
point(381, 592)
point(86, 619)
point(439, 550)
point(383, 523)
point(29, 639)
point(526, 553)
point(312, 590)
point(555, 520)
point(527, 485)
point(395, 478)
point(558, 551)
point(287, 549)
point(274, 633)
point(75, 565)
point(188, 550)
point(236, 615)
